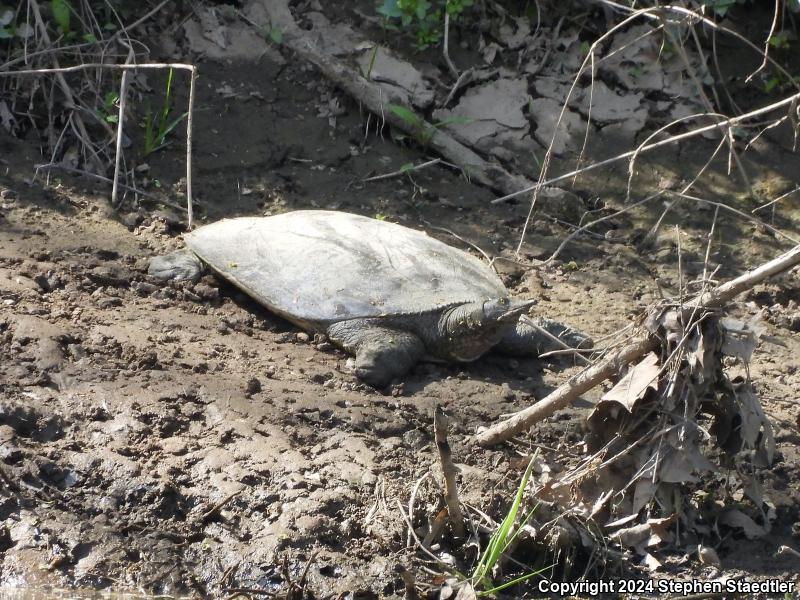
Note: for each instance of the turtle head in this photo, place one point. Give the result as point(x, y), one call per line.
point(505, 310)
point(469, 330)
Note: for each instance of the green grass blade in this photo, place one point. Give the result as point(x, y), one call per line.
point(500, 540)
point(162, 122)
point(408, 115)
point(513, 582)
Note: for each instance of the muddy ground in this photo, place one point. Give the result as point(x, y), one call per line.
point(179, 439)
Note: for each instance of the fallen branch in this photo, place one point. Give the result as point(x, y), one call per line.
point(611, 365)
point(376, 99)
point(449, 470)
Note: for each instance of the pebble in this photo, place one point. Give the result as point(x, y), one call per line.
point(302, 337)
point(415, 439)
point(253, 386)
point(143, 288)
point(206, 292)
point(76, 351)
point(506, 393)
point(174, 445)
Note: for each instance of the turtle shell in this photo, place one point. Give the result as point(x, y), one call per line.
point(316, 266)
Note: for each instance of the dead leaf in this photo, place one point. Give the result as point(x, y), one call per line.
point(466, 592)
point(643, 493)
point(708, 556)
point(654, 532)
point(514, 39)
point(7, 120)
point(651, 562)
point(738, 520)
point(741, 338)
point(633, 386)
point(676, 468)
point(489, 53)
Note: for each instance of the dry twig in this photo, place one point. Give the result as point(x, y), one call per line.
point(404, 171)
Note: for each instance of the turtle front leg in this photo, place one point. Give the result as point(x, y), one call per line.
point(381, 353)
point(535, 336)
point(180, 265)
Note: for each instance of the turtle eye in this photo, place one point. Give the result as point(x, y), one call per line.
point(503, 301)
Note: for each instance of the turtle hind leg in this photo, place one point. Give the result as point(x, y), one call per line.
point(535, 336)
point(381, 353)
point(177, 266)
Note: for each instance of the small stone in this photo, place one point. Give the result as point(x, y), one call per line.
point(76, 351)
point(796, 529)
point(174, 445)
point(143, 288)
point(506, 393)
point(206, 292)
point(302, 337)
point(253, 386)
point(415, 439)
point(368, 478)
point(109, 302)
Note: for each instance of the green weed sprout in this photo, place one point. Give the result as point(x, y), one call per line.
point(157, 128)
point(501, 540)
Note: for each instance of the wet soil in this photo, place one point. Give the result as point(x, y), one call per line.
point(179, 439)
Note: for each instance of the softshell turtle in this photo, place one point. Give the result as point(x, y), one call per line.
point(388, 294)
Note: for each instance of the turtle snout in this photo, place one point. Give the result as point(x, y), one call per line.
point(515, 309)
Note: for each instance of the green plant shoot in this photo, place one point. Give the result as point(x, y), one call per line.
point(157, 128)
point(502, 538)
point(61, 15)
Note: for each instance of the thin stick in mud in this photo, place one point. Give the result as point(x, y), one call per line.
point(449, 470)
